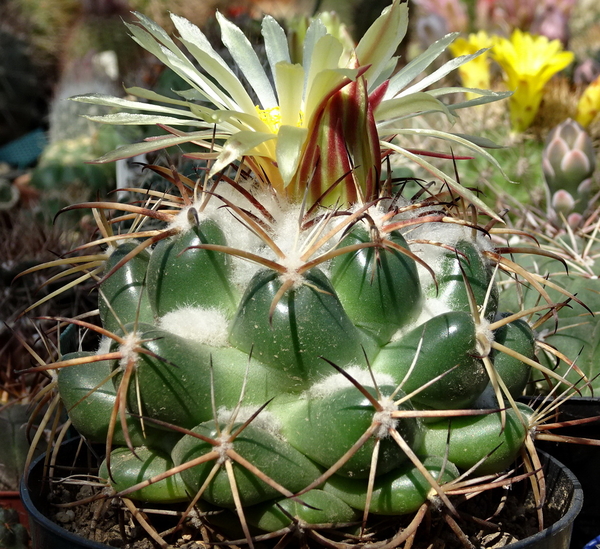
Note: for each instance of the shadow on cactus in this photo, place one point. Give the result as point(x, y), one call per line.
point(287, 347)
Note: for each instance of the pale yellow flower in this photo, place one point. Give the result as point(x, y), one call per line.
point(589, 104)
point(475, 73)
point(528, 62)
point(313, 129)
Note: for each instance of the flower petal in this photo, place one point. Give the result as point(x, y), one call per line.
point(315, 31)
point(416, 67)
point(288, 81)
point(325, 83)
point(326, 55)
point(381, 40)
point(155, 144)
point(137, 119)
point(111, 101)
point(410, 105)
point(438, 74)
point(198, 45)
point(237, 146)
point(288, 151)
point(276, 44)
point(177, 62)
point(246, 59)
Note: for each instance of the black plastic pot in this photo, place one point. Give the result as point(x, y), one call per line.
point(584, 461)
point(564, 495)
point(46, 534)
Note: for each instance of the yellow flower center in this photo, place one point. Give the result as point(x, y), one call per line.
point(272, 118)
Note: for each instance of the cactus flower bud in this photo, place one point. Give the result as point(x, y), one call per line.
point(574, 220)
point(568, 161)
point(563, 201)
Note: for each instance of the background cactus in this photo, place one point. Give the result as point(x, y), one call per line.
point(286, 351)
point(568, 162)
point(13, 535)
point(573, 330)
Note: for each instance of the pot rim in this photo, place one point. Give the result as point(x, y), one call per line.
point(566, 521)
point(38, 517)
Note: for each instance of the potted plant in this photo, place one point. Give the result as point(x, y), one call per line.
point(293, 341)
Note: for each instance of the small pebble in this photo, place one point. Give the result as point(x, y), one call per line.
point(65, 517)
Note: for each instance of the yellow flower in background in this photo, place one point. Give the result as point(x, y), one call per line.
point(475, 73)
point(528, 61)
point(589, 104)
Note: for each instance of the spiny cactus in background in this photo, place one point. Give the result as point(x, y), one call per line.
point(568, 163)
point(572, 330)
point(13, 535)
point(280, 333)
point(96, 54)
point(14, 417)
point(64, 171)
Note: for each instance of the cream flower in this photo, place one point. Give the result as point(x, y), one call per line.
point(337, 103)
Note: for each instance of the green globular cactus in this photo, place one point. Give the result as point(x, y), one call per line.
point(243, 383)
point(299, 348)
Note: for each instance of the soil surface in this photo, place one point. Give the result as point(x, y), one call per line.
point(492, 519)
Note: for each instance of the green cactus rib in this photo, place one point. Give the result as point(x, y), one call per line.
point(124, 296)
point(128, 469)
point(173, 383)
point(485, 441)
point(177, 264)
point(308, 322)
point(519, 337)
point(324, 427)
point(267, 452)
point(318, 508)
point(443, 346)
point(399, 492)
point(451, 287)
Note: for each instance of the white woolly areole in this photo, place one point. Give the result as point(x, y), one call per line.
point(223, 447)
point(484, 337)
point(384, 417)
point(265, 420)
point(129, 355)
point(335, 382)
point(209, 326)
point(181, 222)
point(104, 346)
